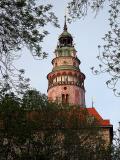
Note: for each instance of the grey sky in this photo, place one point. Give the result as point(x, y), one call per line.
point(87, 34)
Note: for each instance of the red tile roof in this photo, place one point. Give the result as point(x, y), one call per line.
point(94, 113)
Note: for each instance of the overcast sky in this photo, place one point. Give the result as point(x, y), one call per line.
point(87, 34)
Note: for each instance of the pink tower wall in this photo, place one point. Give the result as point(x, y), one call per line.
point(76, 94)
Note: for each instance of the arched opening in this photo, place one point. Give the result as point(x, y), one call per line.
point(67, 98)
point(63, 98)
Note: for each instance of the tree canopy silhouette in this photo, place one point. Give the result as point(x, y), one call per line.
point(22, 23)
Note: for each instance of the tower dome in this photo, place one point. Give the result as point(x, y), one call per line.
point(65, 39)
point(66, 81)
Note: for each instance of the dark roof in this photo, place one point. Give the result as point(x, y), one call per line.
point(65, 34)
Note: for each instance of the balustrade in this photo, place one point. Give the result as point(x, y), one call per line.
point(78, 83)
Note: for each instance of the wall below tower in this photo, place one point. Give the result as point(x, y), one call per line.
point(76, 94)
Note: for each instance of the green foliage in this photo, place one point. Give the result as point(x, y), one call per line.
point(48, 131)
point(34, 100)
point(9, 102)
point(109, 53)
point(22, 23)
point(115, 148)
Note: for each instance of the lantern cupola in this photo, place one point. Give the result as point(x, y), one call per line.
point(65, 39)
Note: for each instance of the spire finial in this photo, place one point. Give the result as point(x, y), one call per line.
point(93, 98)
point(92, 103)
point(65, 24)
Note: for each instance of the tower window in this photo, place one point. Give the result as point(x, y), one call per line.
point(65, 88)
point(74, 63)
point(68, 41)
point(63, 98)
point(67, 98)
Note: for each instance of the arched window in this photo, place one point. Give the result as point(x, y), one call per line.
point(63, 98)
point(69, 42)
point(67, 98)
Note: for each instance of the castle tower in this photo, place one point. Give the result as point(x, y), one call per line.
point(66, 81)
